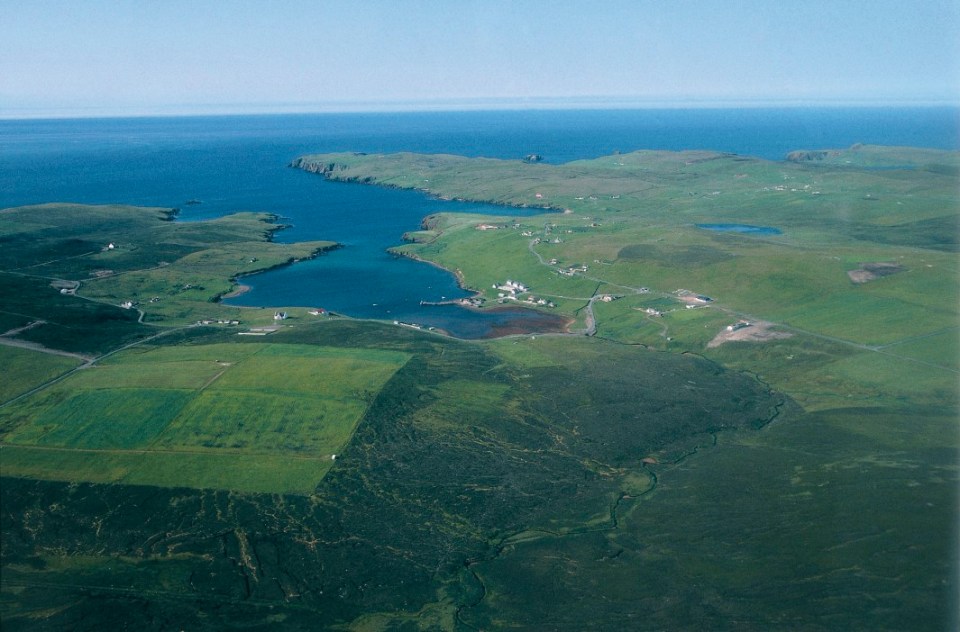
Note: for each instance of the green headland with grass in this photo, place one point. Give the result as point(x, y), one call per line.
point(752, 423)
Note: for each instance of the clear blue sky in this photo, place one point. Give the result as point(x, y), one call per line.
point(101, 56)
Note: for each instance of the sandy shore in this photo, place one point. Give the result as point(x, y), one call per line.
point(240, 289)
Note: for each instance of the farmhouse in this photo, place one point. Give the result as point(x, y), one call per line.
point(693, 300)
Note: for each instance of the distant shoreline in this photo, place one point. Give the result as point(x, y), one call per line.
point(456, 106)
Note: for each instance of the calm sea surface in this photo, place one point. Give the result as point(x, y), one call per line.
point(239, 163)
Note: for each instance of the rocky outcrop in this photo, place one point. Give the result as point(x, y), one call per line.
point(313, 166)
point(809, 156)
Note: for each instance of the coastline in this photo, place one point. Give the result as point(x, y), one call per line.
point(238, 291)
point(328, 172)
point(242, 288)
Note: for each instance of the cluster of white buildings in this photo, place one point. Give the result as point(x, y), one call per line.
point(221, 321)
point(510, 289)
point(542, 302)
point(572, 270)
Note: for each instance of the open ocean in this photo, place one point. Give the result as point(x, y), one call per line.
point(237, 163)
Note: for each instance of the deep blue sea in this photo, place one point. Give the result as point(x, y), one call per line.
point(235, 163)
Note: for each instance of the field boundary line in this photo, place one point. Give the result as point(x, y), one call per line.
point(132, 451)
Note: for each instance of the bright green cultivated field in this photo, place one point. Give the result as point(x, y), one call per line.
point(250, 417)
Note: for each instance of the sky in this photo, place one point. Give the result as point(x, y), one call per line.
point(115, 57)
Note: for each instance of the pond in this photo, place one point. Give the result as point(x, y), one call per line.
point(741, 228)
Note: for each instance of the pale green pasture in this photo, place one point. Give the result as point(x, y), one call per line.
point(896, 381)
point(66, 464)
point(335, 375)
point(622, 321)
point(217, 352)
point(186, 374)
point(264, 422)
point(811, 290)
point(262, 473)
point(820, 374)
point(942, 349)
point(223, 415)
point(102, 418)
point(694, 328)
point(865, 318)
point(24, 369)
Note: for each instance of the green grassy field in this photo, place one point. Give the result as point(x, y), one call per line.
point(228, 416)
point(25, 368)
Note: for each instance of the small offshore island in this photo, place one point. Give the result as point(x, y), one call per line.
point(739, 426)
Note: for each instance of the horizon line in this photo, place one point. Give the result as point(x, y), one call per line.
point(449, 105)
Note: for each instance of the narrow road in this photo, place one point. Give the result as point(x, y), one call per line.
point(36, 346)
